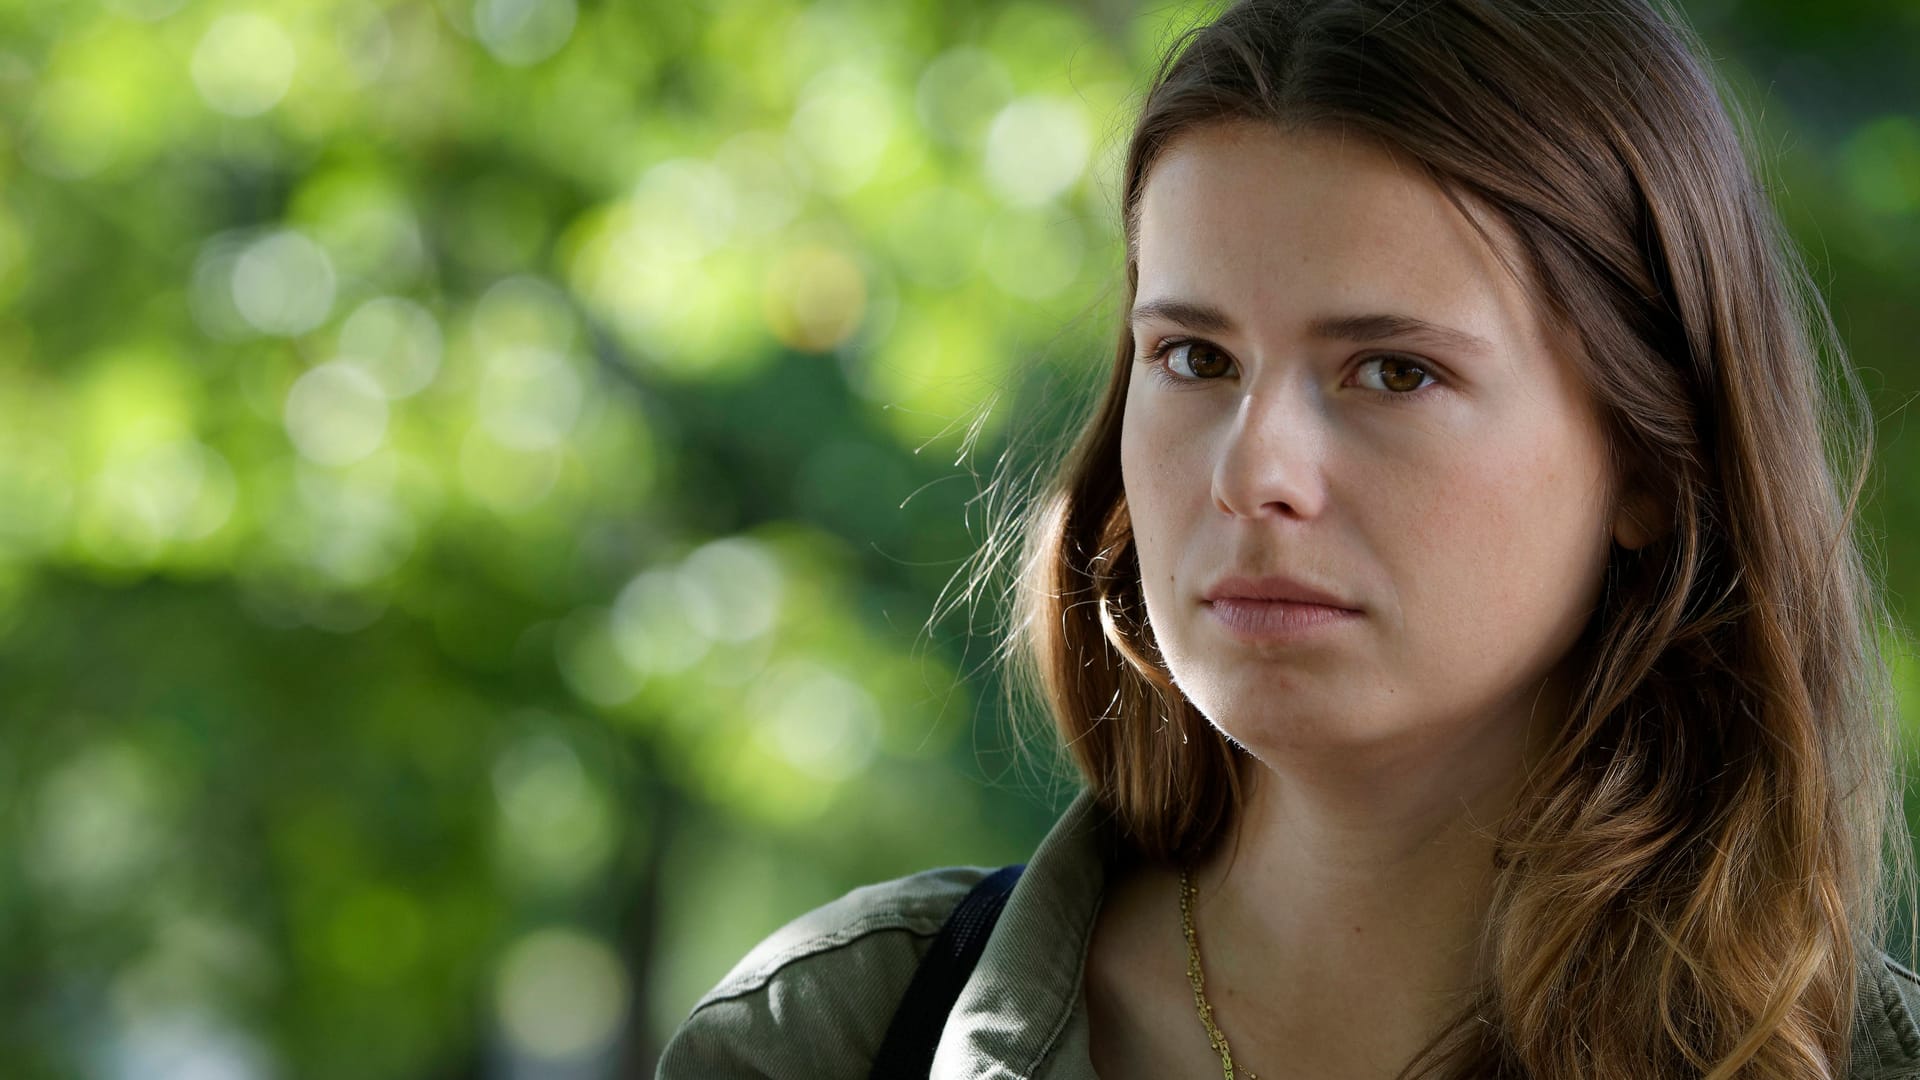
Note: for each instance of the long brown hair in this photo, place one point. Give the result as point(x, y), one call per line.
point(1694, 872)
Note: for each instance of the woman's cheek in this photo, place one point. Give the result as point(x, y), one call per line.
point(1449, 555)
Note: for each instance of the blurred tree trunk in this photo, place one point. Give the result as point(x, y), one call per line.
point(640, 886)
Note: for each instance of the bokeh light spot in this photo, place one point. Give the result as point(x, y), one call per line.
point(283, 283)
point(1036, 148)
point(524, 312)
point(681, 316)
point(522, 32)
point(654, 624)
point(365, 41)
point(589, 661)
point(529, 398)
point(556, 825)
point(210, 293)
point(102, 824)
point(336, 414)
point(683, 209)
point(186, 1043)
point(243, 64)
point(814, 298)
point(560, 995)
point(960, 93)
point(817, 719)
point(743, 584)
point(396, 342)
point(364, 219)
point(193, 957)
point(148, 496)
point(352, 531)
point(841, 128)
point(765, 196)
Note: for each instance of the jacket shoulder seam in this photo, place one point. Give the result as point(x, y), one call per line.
point(916, 905)
point(748, 982)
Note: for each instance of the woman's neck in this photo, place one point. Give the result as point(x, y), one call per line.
point(1346, 907)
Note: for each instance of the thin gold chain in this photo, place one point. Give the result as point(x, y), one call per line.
point(1187, 893)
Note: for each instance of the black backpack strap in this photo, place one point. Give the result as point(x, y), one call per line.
point(907, 1049)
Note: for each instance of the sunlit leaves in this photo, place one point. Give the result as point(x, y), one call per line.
point(937, 372)
point(104, 102)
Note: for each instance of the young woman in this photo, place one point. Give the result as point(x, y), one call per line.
point(1451, 606)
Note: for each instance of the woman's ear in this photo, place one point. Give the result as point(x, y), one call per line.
point(1640, 518)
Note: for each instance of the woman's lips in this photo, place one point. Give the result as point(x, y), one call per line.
point(1277, 620)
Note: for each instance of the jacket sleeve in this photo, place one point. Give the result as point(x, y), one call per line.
point(813, 1001)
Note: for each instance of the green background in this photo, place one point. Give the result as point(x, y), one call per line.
point(486, 486)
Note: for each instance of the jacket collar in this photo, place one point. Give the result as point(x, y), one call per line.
point(1022, 1017)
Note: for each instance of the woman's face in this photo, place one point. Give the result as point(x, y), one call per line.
point(1451, 486)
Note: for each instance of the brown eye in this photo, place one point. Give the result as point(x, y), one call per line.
point(1400, 375)
point(1203, 360)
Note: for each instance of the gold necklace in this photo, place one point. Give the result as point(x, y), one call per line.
point(1187, 893)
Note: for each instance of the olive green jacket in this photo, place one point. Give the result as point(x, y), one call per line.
point(813, 1001)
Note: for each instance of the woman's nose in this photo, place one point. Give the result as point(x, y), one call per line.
point(1271, 457)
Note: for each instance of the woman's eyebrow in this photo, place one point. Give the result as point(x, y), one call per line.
point(1188, 313)
point(1206, 318)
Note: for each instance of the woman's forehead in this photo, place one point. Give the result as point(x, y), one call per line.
point(1246, 216)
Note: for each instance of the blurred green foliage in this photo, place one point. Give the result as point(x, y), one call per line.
point(476, 477)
